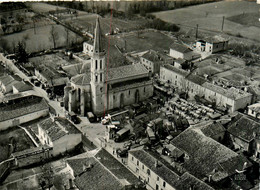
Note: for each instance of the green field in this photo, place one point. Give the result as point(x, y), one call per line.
point(146, 40)
point(209, 17)
point(41, 40)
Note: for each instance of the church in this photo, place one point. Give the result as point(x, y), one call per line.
point(103, 89)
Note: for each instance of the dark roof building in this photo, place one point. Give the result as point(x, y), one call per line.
point(22, 107)
point(180, 48)
point(206, 156)
point(100, 171)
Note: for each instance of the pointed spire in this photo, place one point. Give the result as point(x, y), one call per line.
point(97, 40)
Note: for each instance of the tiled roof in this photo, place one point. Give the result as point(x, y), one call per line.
point(71, 128)
point(151, 56)
point(5, 80)
point(162, 170)
point(244, 128)
point(81, 79)
point(106, 171)
point(180, 48)
point(23, 107)
point(187, 181)
point(113, 165)
point(127, 71)
point(231, 93)
point(204, 153)
point(53, 130)
point(97, 178)
point(196, 79)
point(212, 129)
point(180, 61)
point(174, 69)
point(21, 86)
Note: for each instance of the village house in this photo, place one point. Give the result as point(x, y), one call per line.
point(60, 134)
point(210, 161)
point(88, 48)
point(49, 77)
point(7, 82)
point(86, 168)
point(212, 44)
point(21, 110)
point(254, 110)
point(152, 61)
point(231, 98)
point(180, 51)
point(160, 175)
point(244, 132)
point(126, 85)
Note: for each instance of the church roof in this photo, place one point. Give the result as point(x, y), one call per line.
point(81, 79)
point(126, 72)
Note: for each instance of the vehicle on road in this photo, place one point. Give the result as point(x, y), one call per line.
point(122, 134)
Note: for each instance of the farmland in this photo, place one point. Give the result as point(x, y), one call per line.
point(144, 41)
point(41, 40)
point(210, 16)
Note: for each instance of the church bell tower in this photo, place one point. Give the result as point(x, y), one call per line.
point(97, 72)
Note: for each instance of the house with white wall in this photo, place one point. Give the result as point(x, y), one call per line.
point(60, 134)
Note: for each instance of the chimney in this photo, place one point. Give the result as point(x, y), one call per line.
point(156, 163)
point(70, 184)
point(83, 167)
point(244, 166)
point(209, 179)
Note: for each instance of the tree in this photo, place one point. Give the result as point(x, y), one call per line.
point(4, 45)
point(54, 36)
point(47, 179)
point(22, 56)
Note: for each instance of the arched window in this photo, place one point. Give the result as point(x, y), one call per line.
point(101, 77)
point(96, 64)
point(96, 77)
point(100, 64)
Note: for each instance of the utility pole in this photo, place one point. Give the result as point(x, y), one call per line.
point(197, 28)
point(223, 23)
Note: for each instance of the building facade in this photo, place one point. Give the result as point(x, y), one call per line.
point(231, 98)
point(104, 88)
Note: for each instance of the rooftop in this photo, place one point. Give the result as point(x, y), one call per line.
point(23, 107)
point(53, 130)
point(244, 128)
point(106, 171)
point(127, 71)
point(187, 180)
point(212, 129)
point(151, 56)
point(206, 154)
point(196, 79)
point(97, 177)
point(180, 48)
point(81, 79)
point(22, 86)
point(255, 107)
point(231, 93)
point(115, 167)
point(161, 170)
point(181, 181)
point(172, 68)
